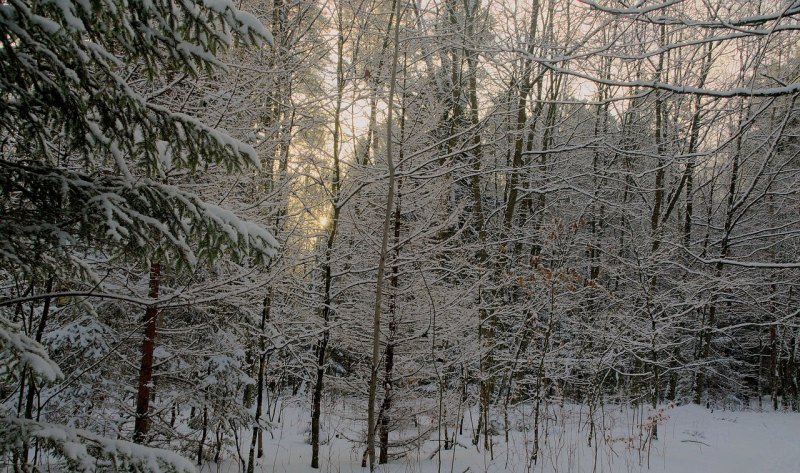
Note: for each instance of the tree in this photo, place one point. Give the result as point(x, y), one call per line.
point(372, 423)
point(88, 153)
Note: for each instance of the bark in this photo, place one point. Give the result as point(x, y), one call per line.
point(321, 347)
point(522, 105)
point(388, 390)
point(385, 417)
point(142, 423)
point(376, 319)
point(262, 361)
point(540, 379)
point(203, 432)
point(486, 321)
point(374, 78)
point(32, 390)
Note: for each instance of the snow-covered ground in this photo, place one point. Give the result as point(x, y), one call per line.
point(690, 439)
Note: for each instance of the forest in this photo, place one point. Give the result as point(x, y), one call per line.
point(422, 235)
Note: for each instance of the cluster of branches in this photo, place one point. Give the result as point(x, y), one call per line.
point(593, 203)
point(570, 203)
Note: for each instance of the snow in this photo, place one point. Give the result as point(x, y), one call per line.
point(724, 441)
point(164, 154)
point(259, 237)
point(73, 22)
point(86, 334)
point(46, 24)
point(675, 88)
point(246, 23)
point(192, 49)
point(83, 449)
point(31, 354)
point(250, 23)
point(691, 439)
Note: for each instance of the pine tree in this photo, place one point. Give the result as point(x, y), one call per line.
point(87, 150)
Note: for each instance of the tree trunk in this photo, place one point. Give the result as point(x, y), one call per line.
point(39, 333)
point(486, 320)
point(262, 361)
point(364, 158)
point(390, 341)
point(376, 321)
point(204, 433)
point(142, 423)
point(322, 344)
point(387, 397)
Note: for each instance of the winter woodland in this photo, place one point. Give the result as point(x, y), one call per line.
point(428, 235)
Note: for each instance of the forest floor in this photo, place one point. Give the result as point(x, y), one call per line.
point(690, 439)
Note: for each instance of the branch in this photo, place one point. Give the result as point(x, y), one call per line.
point(677, 89)
point(641, 13)
point(746, 264)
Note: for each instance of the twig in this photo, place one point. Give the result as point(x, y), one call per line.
point(696, 441)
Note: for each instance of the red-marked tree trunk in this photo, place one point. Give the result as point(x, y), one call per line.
point(142, 424)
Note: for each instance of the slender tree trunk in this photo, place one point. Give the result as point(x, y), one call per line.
point(203, 431)
point(385, 417)
point(262, 361)
point(316, 403)
point(388, 386)
point(522, 117)
point(142, 423)
point(374, 78)
point(540, 394)
point(39, 333)
point(32, 388)
point(376, 320)
point(486, 320)
point(19, 314)
point(656, 231)
point(321, 348)
point(773, 366)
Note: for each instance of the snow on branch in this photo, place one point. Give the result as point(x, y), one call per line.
point(67, 63)
point(19, 352)
point(88, 452)
point(244, 23)
point(137, 218)
point(643, 14)
point(748, 264)
point(642, 10)
point(789, 89)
